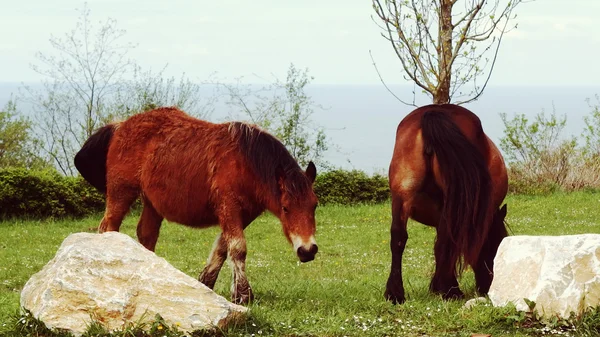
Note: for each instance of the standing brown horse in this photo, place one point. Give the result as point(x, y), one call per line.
point(201, 174)
point(446, 173)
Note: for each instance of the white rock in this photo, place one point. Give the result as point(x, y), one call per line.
point(561, 274)
point(115, 280)
point(474, 302)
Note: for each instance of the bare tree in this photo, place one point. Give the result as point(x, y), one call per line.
point(147, 90)
point(285, 109)
point(90, 81)
point(86, 68)
point(445, 44)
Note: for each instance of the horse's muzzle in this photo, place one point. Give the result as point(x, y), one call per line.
point(306, 255)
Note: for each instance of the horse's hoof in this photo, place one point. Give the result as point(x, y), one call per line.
point(395, 299)
point(242, 297)
point(453, 294)
point(483, 291)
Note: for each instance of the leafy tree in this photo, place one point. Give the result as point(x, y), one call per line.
point(17, 146)
point(285, 109)
point(442, 46)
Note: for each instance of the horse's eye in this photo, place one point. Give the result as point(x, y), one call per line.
point(285, 209)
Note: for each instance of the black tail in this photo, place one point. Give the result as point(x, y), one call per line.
point(90, 161)
point(466, 214)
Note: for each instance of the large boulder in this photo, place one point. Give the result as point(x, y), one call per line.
point(561, 274)
point(116, 281)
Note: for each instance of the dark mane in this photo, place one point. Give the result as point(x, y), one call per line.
point(269, 159)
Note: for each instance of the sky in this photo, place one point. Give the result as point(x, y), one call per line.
point(556, 45)
point(556, 42)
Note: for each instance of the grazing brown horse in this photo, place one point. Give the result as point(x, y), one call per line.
point(446, 173)
point(201, 174)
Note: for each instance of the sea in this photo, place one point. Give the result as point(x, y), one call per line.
point(360, 120)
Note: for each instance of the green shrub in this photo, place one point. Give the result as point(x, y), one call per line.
point(522, 182)
point(39, 194)
point(351, 187)
point(542, 161)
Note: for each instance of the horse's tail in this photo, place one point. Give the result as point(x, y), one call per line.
point(90, 161)
point(467, 187)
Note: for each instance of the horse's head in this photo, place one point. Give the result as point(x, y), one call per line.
point(495, 236)
point(297, 212)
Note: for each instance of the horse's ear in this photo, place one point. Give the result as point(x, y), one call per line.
point(311, 172)
point(502, 212)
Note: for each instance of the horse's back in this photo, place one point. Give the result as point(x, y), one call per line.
point(409, 170)
point(465, 120)
point(169, 156)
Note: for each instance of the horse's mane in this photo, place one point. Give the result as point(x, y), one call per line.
point(269, 159)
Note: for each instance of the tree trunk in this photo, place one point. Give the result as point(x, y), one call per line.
point(442, 92)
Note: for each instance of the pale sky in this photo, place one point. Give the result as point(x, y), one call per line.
point(557, 42)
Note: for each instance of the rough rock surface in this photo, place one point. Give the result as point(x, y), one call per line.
point(112, 278)
point(561, 274)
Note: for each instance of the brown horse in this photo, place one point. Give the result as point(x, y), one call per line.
point(201, 174)
point(446, 173)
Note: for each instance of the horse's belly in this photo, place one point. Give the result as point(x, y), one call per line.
point(185, 209)
point(179, 189)
point(184, 202)
point(195, 220)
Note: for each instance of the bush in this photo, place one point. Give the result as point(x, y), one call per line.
point(351, 187)
point(542, 161)
point(39, 194)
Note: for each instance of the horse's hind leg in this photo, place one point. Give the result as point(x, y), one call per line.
point(118, 202)
point(149, 226)
point(394, 290)
point(215, 261)
point(444, 280)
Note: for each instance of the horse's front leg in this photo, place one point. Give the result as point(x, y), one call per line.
point(236, 248)
point(232, 224)
point(394, 290)
point(215, 262)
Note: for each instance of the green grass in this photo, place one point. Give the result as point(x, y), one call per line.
point(340, 293)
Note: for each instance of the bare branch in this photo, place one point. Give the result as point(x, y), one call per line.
point(385, 85)
point(395, 26)
point(478, 94)
point(443, 64)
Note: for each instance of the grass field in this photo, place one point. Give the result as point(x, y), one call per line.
point(340, 293)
